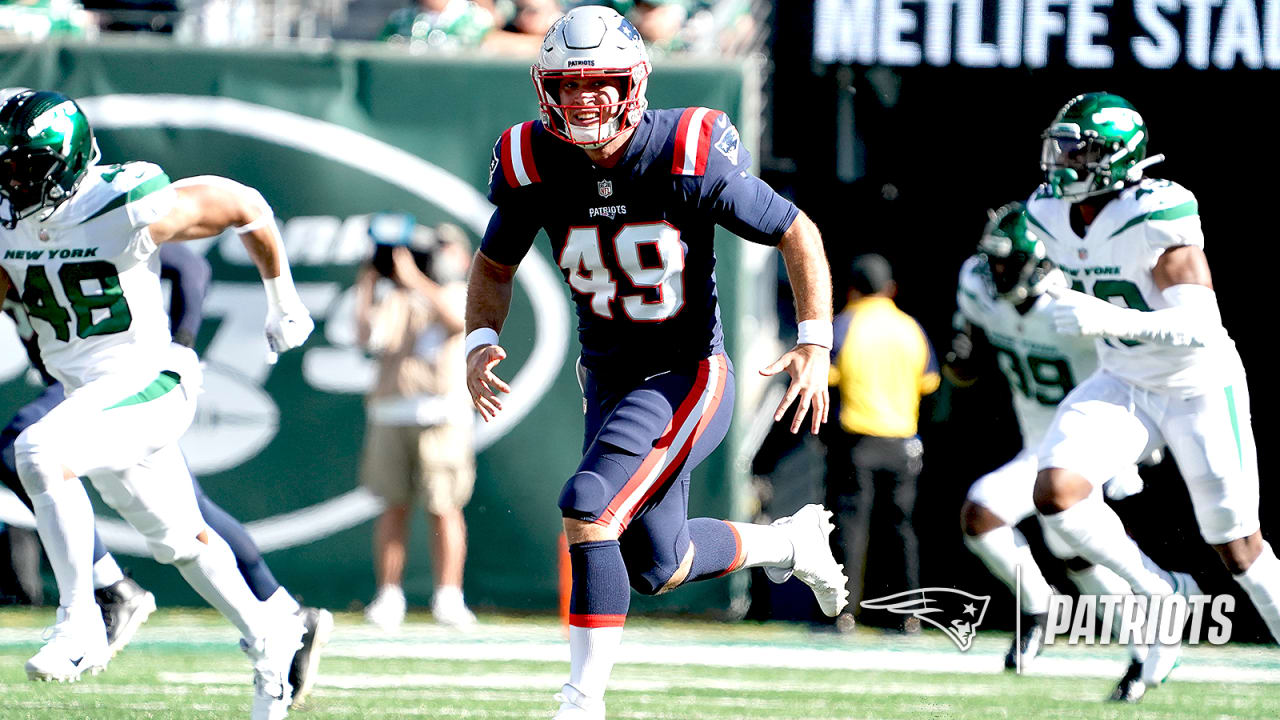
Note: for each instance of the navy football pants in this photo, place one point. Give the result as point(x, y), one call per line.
point(641, 444)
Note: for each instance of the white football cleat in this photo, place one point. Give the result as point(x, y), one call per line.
point(576, 706)
point(1161, 658)
point(812, 561)
point(387, 609)
point(272, 658)
point(75, 647)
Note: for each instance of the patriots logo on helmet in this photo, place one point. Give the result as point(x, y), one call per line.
point(626, 28)
point(954, 612)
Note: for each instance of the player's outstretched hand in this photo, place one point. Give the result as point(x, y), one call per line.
point(1075, 313)
point(287, 329)
point(482, 383)
point(808, 366)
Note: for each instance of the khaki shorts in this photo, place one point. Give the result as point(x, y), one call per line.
point(435, 463)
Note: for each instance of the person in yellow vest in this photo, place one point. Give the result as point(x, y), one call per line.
point(881, 366)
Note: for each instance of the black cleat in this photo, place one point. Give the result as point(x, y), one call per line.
point(1027, 645)
point(1131, 688)
point(125, 606)
point(306, 661)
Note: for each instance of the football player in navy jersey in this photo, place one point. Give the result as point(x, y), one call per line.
point(630, 198)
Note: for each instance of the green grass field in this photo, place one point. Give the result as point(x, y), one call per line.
point(185, 665)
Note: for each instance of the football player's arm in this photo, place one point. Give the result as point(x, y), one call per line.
point(507, 239)
point(1192, 319)
point(808, 363)
point(206, 206)
point(5, 284)
point(488, 301)
point(968, 344)
point(190, 274)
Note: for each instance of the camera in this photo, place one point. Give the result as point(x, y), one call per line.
point(391, 230)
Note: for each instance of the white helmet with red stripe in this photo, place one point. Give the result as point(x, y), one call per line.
point(592, 41)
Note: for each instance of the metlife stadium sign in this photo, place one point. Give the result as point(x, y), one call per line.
point(1092, 34)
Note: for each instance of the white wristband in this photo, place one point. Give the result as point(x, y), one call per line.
point(815, 332)
point(263, 220)
point(281, 294)
point(480, 337)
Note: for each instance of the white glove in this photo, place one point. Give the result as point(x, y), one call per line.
point(1075, 313)
point(1125, 483)
point(287, 328)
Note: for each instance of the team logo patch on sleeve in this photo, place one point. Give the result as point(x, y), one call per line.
point(728, 144)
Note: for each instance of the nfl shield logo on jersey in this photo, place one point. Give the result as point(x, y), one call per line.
point(1082, 254)
point(605, 188)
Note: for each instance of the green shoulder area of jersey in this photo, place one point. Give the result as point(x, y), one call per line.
point(1155, 200)
point(123, 184)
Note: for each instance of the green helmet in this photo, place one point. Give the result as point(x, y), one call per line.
point(1096, 144)
point(1011, 255)
point(46, 146)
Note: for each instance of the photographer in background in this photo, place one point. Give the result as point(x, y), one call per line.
point(410, 298)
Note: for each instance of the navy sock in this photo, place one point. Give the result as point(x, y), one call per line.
point(601, 593)
point(248, 559)
point(717, 548)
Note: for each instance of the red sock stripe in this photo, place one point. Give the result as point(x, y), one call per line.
point(597, 621)
point(526, 151)
point(661, 450)
point(738, 557)
point(504, 159)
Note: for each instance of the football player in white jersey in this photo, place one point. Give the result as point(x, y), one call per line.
point(1004, 315)
point(1133, 250)
point(78, 244)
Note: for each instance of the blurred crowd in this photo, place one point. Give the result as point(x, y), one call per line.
point(501, 27)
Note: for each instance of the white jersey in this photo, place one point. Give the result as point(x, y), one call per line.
point(1114, 261)
point(1041, 364)
point(89, 276)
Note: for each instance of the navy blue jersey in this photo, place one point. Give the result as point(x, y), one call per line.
point(635, 241)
